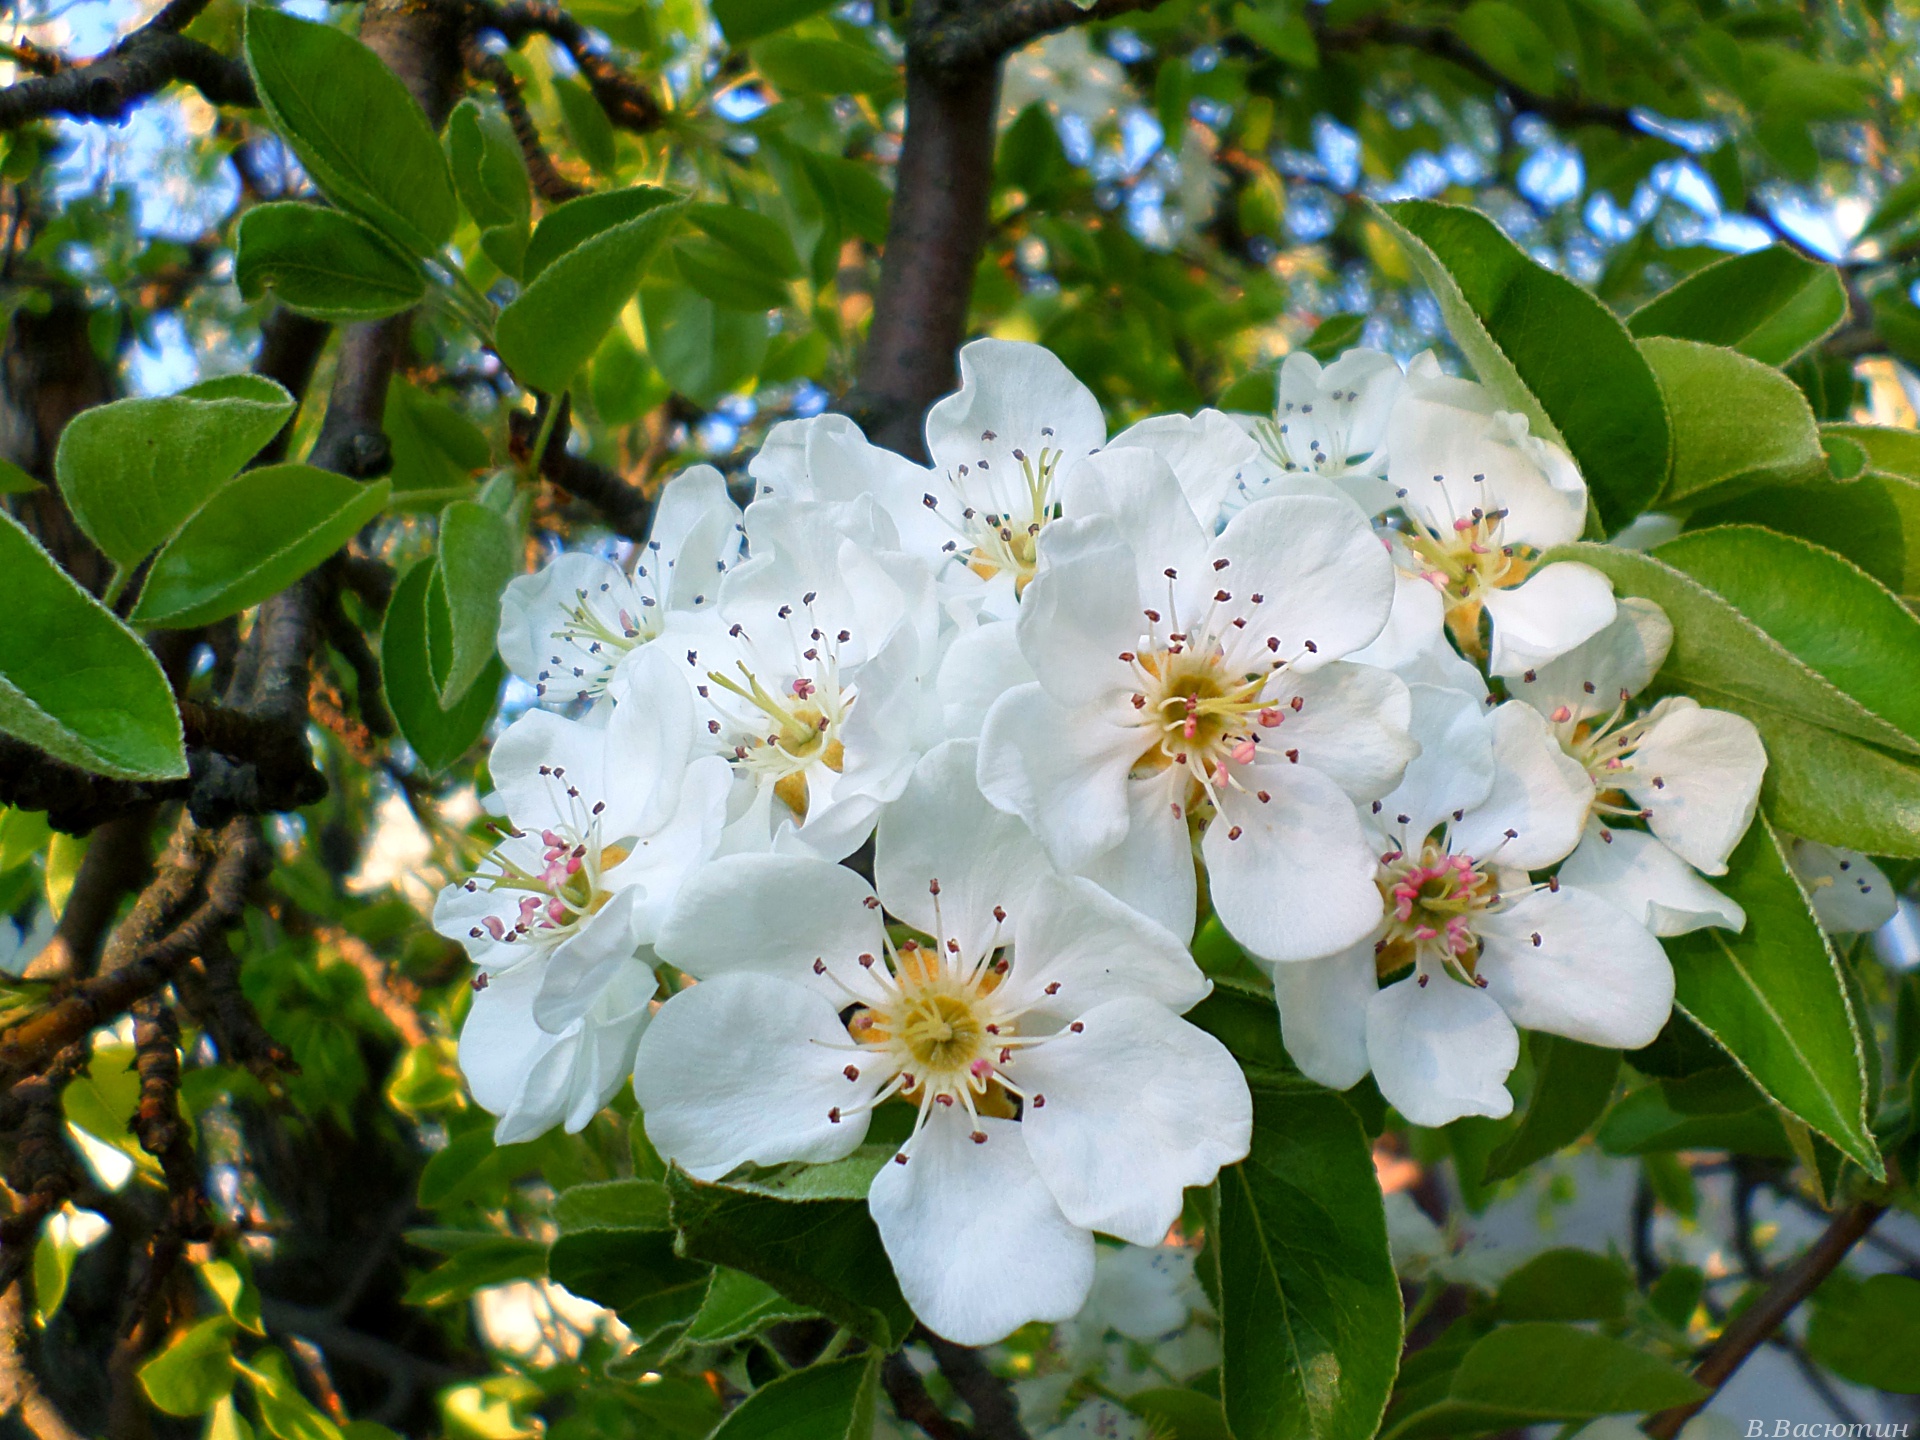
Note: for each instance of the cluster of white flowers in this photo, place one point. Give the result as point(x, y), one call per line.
point(1070, 690)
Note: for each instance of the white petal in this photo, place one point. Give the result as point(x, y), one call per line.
point(1352, 726)
point(1849, 892)
point(738, 1071)
point(1592, 678)
point(695, 536)
point(1453, 771)
point(1136, 489)
point(1090, 949)
point(976, 1239)
point(662, 861)
point(1297, 882)
point(535, 606)
point(1323, 1013)
point(942, 828)
point(826, 457)
point(649, 739)
point(1441, 1050)
point(1415, 625)
point(1208, 453)
point(773, 915)
point(1139, 1105)
point(1012, 396)
point(1064, 772)
point(1152, 869)
point(1555, 609)
point(1597, 974)
point(579, 969)
point(981, 665)
point(1081, 611)
point(1321, 574)
point(1540, 793)
point(523, 762)
point(1699, 772)
point(1633, 870)
point(461, 914)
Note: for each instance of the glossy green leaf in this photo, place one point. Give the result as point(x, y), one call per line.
point(747, 20)
point(738, 1306)
point(1869, 1333)
point(258, 534)
point(488, 169)
point(612, 1205)
point(1509, 40)
point(547, 334)
point(323, 263)
point(1896, 207)
point(833, 1400)
point(1572, 1084)
point(15, 481)
point(492, 1261)
point(23, 833)
point(1715, 1110)
point(479, 554)
point(1873, 520)
point(727, 277)
point(1335, 334)
point(357, 131)
point(1309, 1307)
point(438, 737)
point(1888, 451)
point(1737, 424)
point(806, 65)
point(1545, 348)
point(587, 125)
point(759, 239)
point(1719, 655)
point(1566, 1284)
point(133, 470)
point(98, 698)
point(1835, 790)
point(235, 1292)
point(1768, 304)
point(1774, 998)
point(1537, 1373)
point(194, 1370)
point(825, 1254)
point(1829, 613)
point(632, 1272)
point(703, 350)
point(436, 449)
point(285, 1413)
point(565, 227)
point(1240, 1014)
point(1180, 1414)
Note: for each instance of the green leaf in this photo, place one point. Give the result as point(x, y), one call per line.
point(1774, 999)
point(727, 278)
point(258, 534)
point(633, 1272)
point(97, 699)
point(1335, 334)
point(703, 350)
point(1309, 1307)
point(479, 554)
point(1509, 40)
point(1835, 790)
point(568, 226)
point(547, 334)
point(748, 20)
point(1715, 1110)
point(1281, 32)
point(1572, 1084)
point(1538, 1373)
point(612, 1205)
point(825, 1254)
point(1242, 1017)
point(833, 1400)
point(1566, 1284)
point(804, 65)
point(586, 125)
point(1870, 1333)
point(285, 1413)
point(493, 1261)
point(438, 737)
point(1181, 1414)
point(759, 239)
point(488, 169)
point(235, 1292)
point(1721, 656)
point(1833, 616)
point(738, 1306)
point(436, 449)
point(357, 131)
point(133, 470)
point(1736, 423)
point(194, 1371)
point(1768, 304)
point(1873, 520)
point(860, 202)
point(23, 833)
point(323, 263)
point(1896, 207)
point(1545, 348)
point(14, 480)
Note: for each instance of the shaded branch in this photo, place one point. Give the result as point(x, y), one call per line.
point(1751, 1328)
point(548, 182)
point(147, 61)
point(996, 1415)
point(963, 37)
point(913, 1404)
point(629, 104)
point(625, 506)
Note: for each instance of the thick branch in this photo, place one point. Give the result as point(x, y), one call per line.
point(912, 1403)
point(147, 61)
point(996, 1415)
point(1751, 1328)
point(624, 505)
point(964, 37)
point(548, 182)
point(629, 104)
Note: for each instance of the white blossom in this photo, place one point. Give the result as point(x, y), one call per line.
point(1850, 893)
point(1035, 1030)
point(1470, 950)
point(1328, 431)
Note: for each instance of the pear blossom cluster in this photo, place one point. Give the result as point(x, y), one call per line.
point(873, 818)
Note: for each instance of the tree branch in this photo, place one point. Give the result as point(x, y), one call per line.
point(962, 37)
point(548, 182)
point(912, 1403)
point(147, 61)
point(996, 1415)
point(1750, 1329)
point(625, 506)
point(629, 104)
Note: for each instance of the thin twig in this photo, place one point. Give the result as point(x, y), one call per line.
point(913, 1404)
